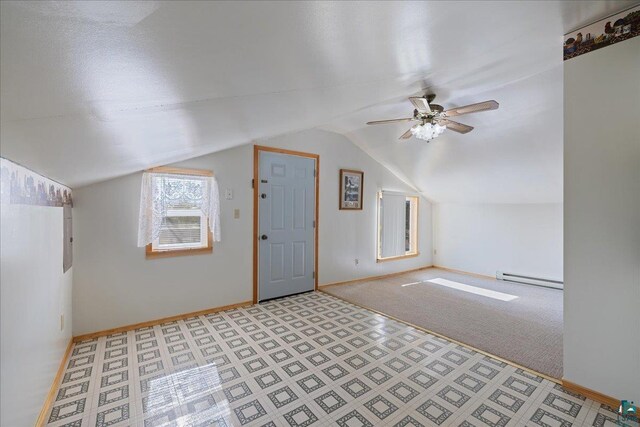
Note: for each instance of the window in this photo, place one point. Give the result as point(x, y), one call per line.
point(397, 226)
point(179, 212)
point(182, 228)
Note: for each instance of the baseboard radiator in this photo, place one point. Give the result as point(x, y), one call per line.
point(528, 280)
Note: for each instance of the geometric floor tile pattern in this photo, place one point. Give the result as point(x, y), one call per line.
point(310, 359)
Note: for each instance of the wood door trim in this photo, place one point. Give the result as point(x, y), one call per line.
point(256, 178)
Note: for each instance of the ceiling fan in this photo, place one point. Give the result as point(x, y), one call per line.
point(433, 119)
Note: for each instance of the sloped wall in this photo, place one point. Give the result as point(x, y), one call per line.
point(115, 285)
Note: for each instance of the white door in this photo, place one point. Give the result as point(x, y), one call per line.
point(286, 207)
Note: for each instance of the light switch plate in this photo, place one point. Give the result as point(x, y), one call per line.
point(228, 194)
point(236, 213)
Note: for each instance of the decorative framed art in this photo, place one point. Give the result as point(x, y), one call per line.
point(351, 185)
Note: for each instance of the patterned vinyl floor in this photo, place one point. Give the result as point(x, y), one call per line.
point(305, 360)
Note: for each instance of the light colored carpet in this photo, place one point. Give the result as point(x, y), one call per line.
point(526, 330)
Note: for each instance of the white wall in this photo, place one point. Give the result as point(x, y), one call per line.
point(602, 220)
point(485, 238)
point(115, 285)
point(34, 293)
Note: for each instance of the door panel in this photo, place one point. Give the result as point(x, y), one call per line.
point(278, 207)
point(286, 209)
point(276, 265)
point(299, 250)
point(299, 208)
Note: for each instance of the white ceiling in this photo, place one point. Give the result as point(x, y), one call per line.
point(94, 90)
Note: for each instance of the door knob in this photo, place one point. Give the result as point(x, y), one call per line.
point(264, 237)
point(264, 196)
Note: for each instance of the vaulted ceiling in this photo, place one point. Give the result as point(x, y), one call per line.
point(94, 90)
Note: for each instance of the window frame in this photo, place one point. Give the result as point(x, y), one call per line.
point(414, 218)
point(150, 252)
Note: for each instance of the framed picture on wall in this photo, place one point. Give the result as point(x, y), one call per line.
point(351, 184)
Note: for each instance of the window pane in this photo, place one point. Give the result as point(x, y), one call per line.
point(177, 230)
point(180, 192)
point(180, 203)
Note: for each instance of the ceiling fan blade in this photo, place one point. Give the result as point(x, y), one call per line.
point(455, 126)
point(473, 108)
point(421, 104)
point(407, 134)
point(382, 122)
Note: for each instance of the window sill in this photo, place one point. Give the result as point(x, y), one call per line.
point(150, 254)
point(394, 258)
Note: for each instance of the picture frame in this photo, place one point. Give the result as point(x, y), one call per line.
point(351, 186)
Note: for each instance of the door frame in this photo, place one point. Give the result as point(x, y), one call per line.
point(256, 178)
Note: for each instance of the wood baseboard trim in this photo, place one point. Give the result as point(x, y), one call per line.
point(364, 279)
point(591, 394)
point(127, 328)
point(453, 270)
point(51, 395)
point(420, 328)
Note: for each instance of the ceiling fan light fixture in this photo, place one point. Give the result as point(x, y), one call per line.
point(427, 131)
point(434, 119)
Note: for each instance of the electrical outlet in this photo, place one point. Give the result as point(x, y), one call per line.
point(62, 322)
point(236, 213)
point(228, 194)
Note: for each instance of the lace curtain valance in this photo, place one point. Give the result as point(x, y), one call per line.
point(163, 191)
